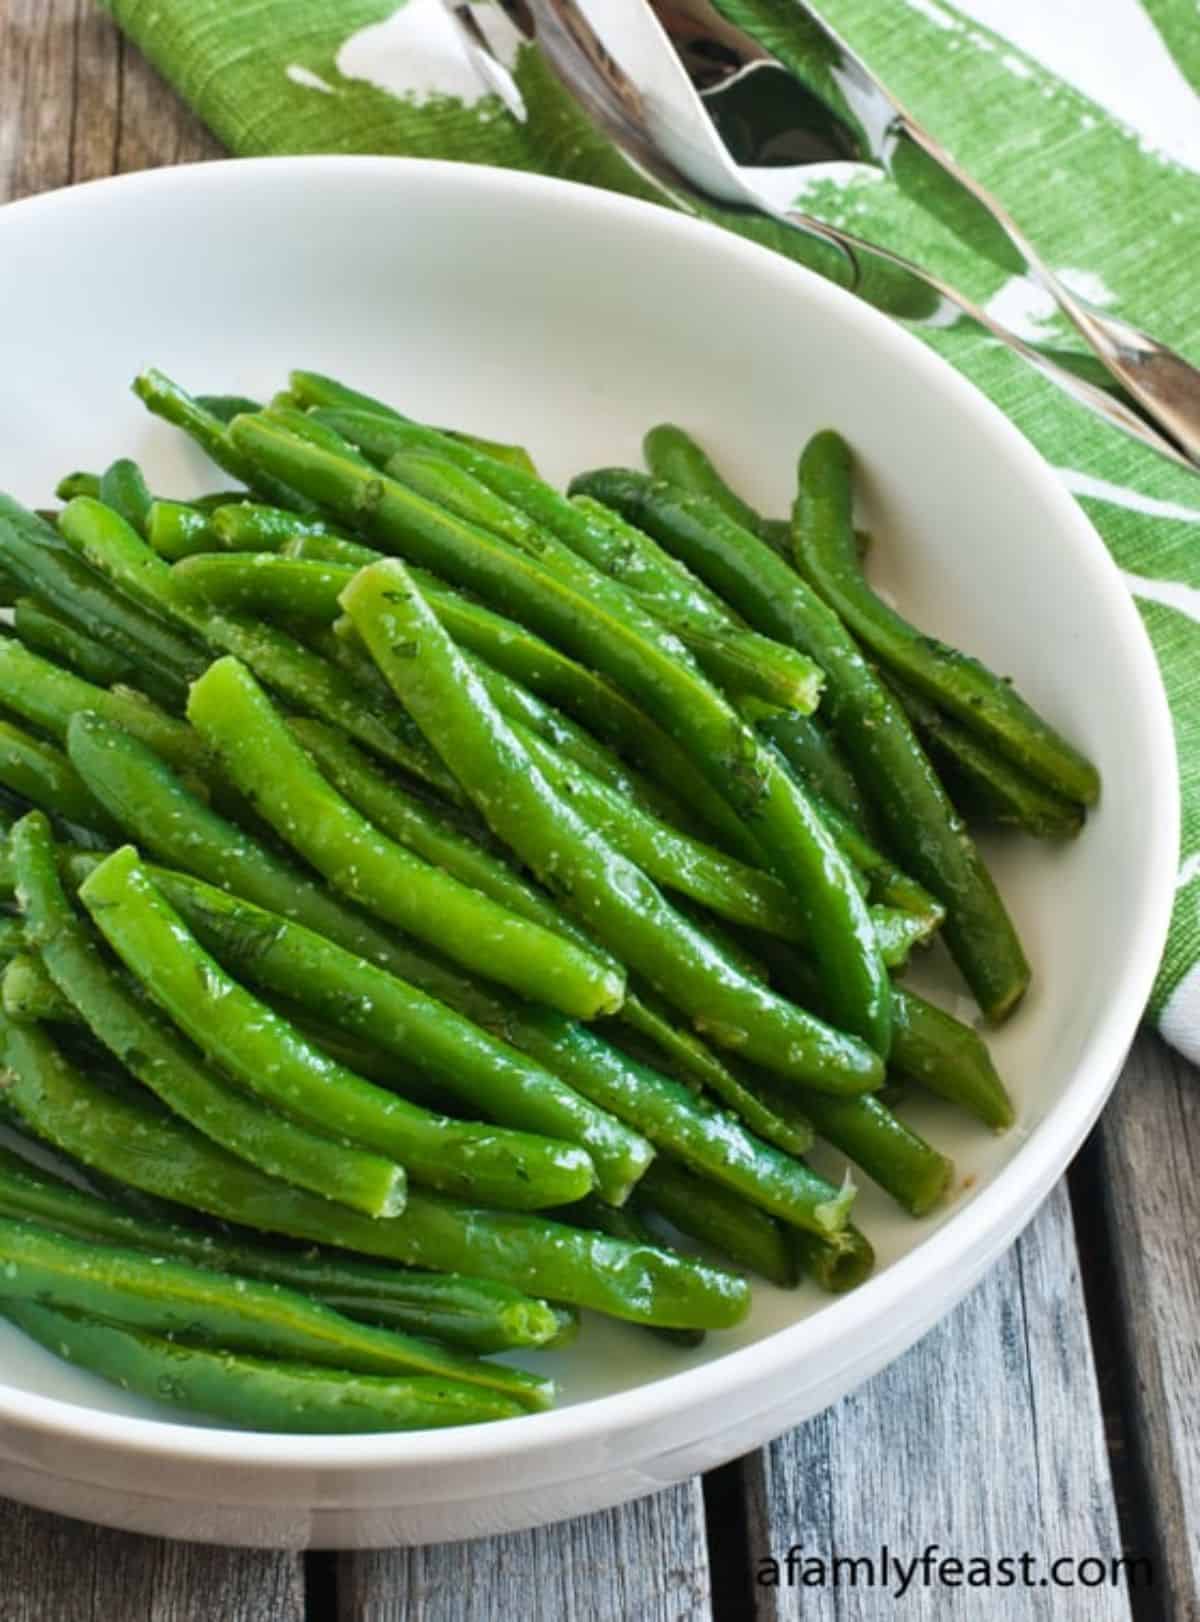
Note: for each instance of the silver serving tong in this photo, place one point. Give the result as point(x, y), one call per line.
point(712, 117)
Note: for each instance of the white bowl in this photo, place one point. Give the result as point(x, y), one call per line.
point(571, 320)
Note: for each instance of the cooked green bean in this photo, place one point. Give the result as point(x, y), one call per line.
point(252, 526)
point(868, 722)
point(28, 992)
point(718, 1218)
point(198, 1305)
point(614, 899)
point(625, 1223)
point(823, 537)
point(931, 1047)
point(45, 567)
point(175, 529)
point(39, 772)
point(672, 454)
point(948, 1058)
point(732, 657)
point(835, 1267)
point(982, 783)
point(597, 620)
point(338, 985)
point(311, 683)
point(879, 1143)
point(78, 483)
point(48, 697)
point(412, 822)
point(470, 1313)
point(123, 488)
point(225, 407)
point(122, 1138)
point(136, 1035)
point(680, 1053)
point(167, 400)
point(263, 759)
point(268, 1055)
point(814, 757)
point(266, 1396)
point(44, 630)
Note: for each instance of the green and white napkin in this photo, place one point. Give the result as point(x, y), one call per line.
point(1117, 215)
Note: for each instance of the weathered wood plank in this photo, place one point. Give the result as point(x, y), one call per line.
point(54, 1570)
point(1150, 1149)
point(77, 102)
point(646, 1562)
point(985, 1440)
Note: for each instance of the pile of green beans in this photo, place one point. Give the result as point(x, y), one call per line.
point(429, 901)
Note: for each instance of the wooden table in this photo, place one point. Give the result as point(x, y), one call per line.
point(1053, 1414)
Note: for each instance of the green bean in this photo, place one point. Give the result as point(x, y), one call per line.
point(680, 1053)
point(139, 1038)
point(982, 783)
point(732, 657)
point(299, 588)
point(28, 993)
point(12, 936)
point(948, 1058)
point(175, 529)
point(263, 759)
point(47, 697)
point(225, 407)
point(338, 985)
point(412, 822)
point(932, 1048)
point(715, 1217)
point(306, 680)
point(597, 620)
point(46, 568)
point(741, 894)
point(913, 1172)
point(516, 506)
point(672, 454)
point(616, 902)
point(839, 1267)
point(78, 483)
point(814, 757)
point(43, 775)
point(469, 1313)
point(869, 725)
point(823, 537)
point(123, 488)
point(167, 400)
point(625, 1223)
point(514, 455)
point(120, 1137)
point(198, 1305)
point(44, 630)
point(268, 1055)
point(263, 1395)
point(251, 526)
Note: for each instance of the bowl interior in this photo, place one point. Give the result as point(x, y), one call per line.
point(571, 322)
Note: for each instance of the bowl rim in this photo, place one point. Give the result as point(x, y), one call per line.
point(998, 1212)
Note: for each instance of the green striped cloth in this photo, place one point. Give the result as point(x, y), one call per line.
point(1109, 208)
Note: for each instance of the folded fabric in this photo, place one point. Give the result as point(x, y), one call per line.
point(1114, 215)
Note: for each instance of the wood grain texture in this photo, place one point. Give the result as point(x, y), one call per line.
point(1150, 1148)
point(646, 1562)
point(985, 1439)
point(77, 102)
point(55, 1570)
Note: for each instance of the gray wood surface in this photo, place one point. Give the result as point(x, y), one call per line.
point(1150, 1140)
point(55, 1570)
point(985, 1439)
point(647, 1562)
